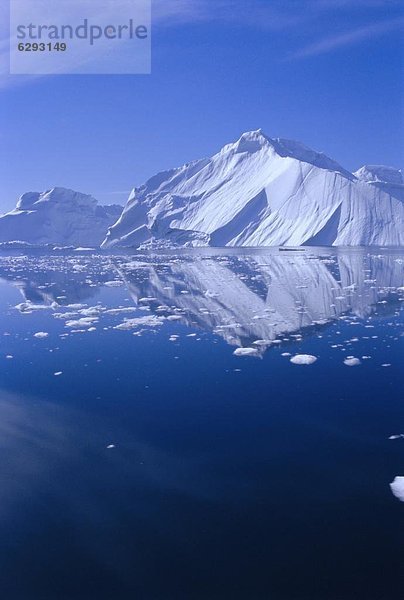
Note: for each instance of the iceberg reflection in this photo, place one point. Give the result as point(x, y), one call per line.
point(265, 297)
point(259, 298)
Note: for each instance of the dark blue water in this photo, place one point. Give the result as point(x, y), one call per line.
point(231, 476)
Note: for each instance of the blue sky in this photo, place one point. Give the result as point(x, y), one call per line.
point(326, 72)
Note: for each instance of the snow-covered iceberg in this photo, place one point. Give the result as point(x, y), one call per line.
point(58, 216)
point(260, 191)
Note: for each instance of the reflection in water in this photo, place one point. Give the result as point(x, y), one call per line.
point(265, 297)
point(261, 297)
point(145, 456)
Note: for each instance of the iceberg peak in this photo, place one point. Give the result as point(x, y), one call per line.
point(380, 174)
point(256, 141)
point(35, 200)
point(249, 141)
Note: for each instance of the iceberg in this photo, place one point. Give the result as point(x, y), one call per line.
point(57, 216)
point(259, 192)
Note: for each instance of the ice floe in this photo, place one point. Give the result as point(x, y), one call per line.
point(351, 361)
point(246, 352)
point(303, 359)
point(149, 321)
point(397, 487)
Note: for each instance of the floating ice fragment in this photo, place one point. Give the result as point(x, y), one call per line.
point(29, 307)
point(352, 361)
point(397, 487)
point(41, 335)
point(396, 437)
point(303, 359)
point(110, 446)
point(246, 352)
point(263, 343)
point(58, 373)
point(149, 321)
point(83, 322)
point(118, 311)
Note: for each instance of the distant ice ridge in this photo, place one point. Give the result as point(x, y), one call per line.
point(260, 191)
point(58, 216)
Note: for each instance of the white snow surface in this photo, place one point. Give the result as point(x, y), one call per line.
point(260, 191)
point(58, 216)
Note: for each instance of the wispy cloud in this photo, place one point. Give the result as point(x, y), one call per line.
point(261, 13)
point(334, 42)
point(120, 193)
point(309, 18)
point(315, 21)
point(257, 13)
point(354, 4)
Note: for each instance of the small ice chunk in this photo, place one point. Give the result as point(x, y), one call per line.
point(58, 373)
point(246, 352)
point(397, 487)
point(303, 359)
point(83, 322)
point(261, 343)
point(110, 446)
point(351, 361)
point(41, 334)
point(149, 321)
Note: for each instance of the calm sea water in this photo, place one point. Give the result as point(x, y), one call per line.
point(140, 458)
